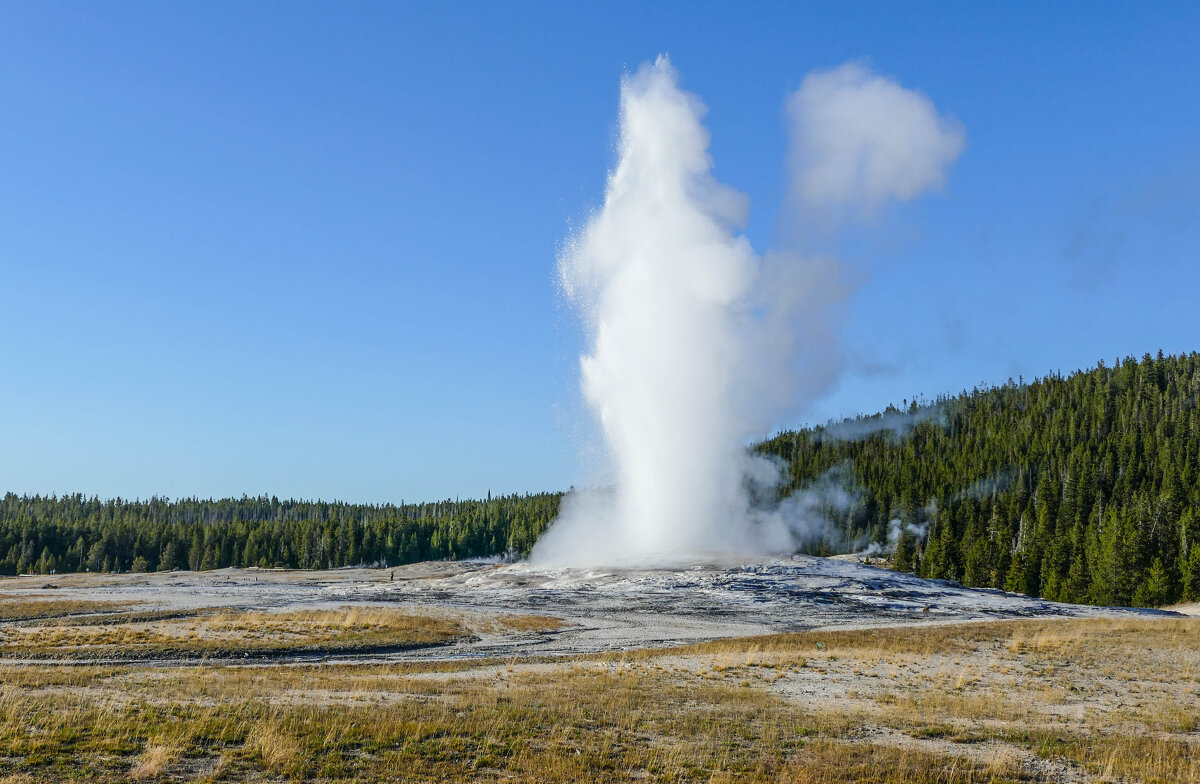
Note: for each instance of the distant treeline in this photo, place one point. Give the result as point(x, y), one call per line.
point(74, 533)
point(1084, 488)
point(1080, 489)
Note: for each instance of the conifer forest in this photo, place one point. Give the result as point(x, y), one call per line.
point(1080, 488)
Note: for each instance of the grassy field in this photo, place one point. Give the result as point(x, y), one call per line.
point(104, 631)
point(1086, 700)
point(19, 608)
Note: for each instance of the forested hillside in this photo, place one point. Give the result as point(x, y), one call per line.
point(74, 533)
point(1083, 488)
point(1079, 489)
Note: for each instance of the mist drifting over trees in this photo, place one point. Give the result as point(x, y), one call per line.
point(1081, 489)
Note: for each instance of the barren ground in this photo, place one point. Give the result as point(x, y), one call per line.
point(591, 610)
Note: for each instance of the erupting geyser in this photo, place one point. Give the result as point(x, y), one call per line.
point(696, 342)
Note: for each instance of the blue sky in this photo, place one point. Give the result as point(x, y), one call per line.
point(308, 248)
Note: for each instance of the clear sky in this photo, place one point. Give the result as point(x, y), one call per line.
point(308, 249)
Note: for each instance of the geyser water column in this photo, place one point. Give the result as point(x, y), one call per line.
point(695, 342)
point(662, 283)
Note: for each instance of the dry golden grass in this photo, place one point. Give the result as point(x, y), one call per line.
point(1104, 695)
point(950, 706)
point(226, 634)
point(154, 760)
point(45, 632)
point(920, 640)
point(589, 724)
point(278, 750)
point(529, 623)
point(24, 608)
point(782, 708)
point(830, 762)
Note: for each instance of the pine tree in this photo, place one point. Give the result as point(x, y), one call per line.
point(904, 560)
point(1191, 575)
point(1154, 591)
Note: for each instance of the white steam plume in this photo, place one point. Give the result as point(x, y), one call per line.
point(860, 139)
point(896, 527)
point(694, 348)
point(665, 287)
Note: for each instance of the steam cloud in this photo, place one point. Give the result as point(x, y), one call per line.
point(895, 528)
point(860, 139)
point(697, 343)
point(896, 424)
